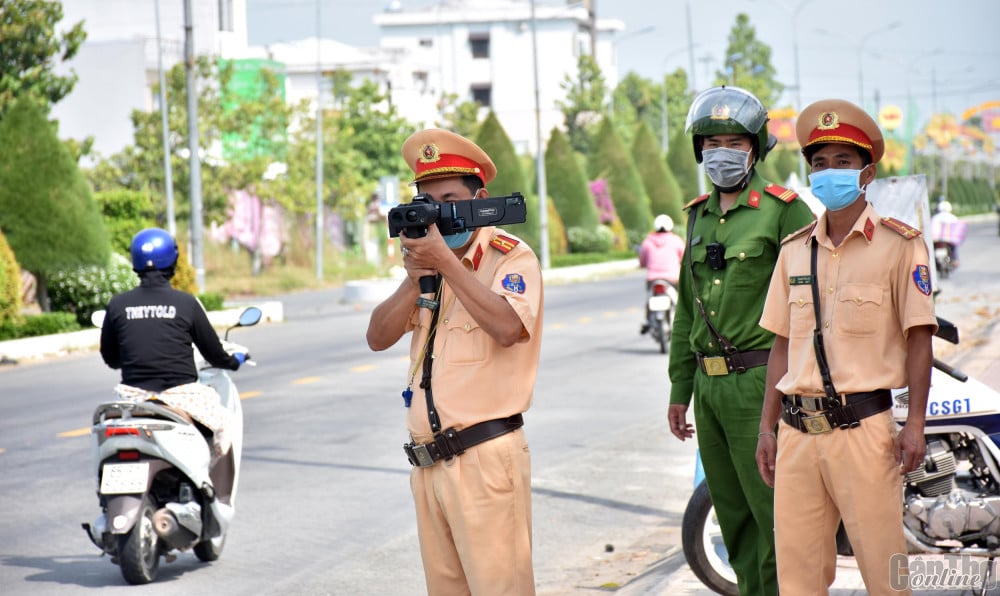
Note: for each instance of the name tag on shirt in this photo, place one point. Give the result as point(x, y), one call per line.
point(800, 280)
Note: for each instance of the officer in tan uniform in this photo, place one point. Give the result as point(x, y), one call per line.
point(473, 358)
point(850, 304)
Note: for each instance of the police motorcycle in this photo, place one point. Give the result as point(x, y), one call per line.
point(951, 505)
point(157, 491)
point(661, 296)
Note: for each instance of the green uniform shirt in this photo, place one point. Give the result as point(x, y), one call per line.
point(733, 297)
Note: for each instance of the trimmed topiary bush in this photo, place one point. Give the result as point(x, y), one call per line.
point(10, 284)
point(46, 323)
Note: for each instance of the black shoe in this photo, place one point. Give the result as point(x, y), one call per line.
point(644, 329)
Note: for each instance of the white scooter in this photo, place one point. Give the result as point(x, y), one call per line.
point(157, 491)
point(660, 300)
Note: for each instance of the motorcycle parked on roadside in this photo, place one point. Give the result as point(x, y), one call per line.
point(944, 258)
point(660, 300)
point(157, 491)
point(951, 505)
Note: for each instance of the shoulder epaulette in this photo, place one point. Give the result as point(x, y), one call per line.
point(799, 232)
point(697, 200)
point(504, 244)
point(903, 229)
point(781, 192)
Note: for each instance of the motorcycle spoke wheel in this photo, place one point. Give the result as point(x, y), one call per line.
point(139, 550)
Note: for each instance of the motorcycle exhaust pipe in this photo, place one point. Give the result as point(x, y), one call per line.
point(168, 529)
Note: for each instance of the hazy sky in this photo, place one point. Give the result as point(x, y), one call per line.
point(945, 53)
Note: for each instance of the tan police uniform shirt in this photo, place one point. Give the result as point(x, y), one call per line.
point(474, 378)
point(873, 288)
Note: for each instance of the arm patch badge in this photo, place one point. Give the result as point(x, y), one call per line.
point(513, 282)
point(922, 279)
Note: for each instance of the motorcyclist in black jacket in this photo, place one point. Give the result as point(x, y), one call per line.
point(148, 333)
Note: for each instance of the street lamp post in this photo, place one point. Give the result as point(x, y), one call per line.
point(168, 179)
point(319, 148)
point(861, 51)
point(194, 159)
point(543, 234)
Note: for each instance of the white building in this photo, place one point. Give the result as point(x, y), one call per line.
point(117, 64)
point(481, 50)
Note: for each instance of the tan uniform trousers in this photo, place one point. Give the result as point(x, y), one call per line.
point(474, 520)
point(821, 479)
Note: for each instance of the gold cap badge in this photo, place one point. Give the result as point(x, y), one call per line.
point(828, 121)
point(429, 153)
point(720, 112)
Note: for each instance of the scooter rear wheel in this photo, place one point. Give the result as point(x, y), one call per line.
point(703, 548)
point(139, 550)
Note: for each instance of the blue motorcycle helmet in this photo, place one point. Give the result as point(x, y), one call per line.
point(153, 249)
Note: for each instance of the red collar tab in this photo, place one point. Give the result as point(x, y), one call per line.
point(869, 229)
point(754, 200)
point(697, 200)
point(781, 192)
point(901, 228)
point(477, 258)
point(504, 244)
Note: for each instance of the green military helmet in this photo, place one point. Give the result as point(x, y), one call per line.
point(727, 111)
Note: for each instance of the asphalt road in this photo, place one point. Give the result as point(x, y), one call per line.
point(324, 505)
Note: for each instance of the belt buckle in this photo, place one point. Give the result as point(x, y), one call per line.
point(419, 456)
point(812, 403)
point(715, 366)
point(816, 425)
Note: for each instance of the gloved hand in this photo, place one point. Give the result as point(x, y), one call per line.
point(241, 357)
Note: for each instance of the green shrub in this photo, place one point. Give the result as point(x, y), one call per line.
point(599, 239)
point(46, 323)
point(212, 300)
point(10, 283)
point(83, 290)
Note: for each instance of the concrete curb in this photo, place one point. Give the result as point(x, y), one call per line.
point(61, 344)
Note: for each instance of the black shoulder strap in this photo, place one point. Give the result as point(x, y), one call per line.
point(824, 367)
point(425, 381)
point(728, 347)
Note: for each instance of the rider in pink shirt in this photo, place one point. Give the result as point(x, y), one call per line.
point(661, 251)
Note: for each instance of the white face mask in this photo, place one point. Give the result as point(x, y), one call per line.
point(726, 167)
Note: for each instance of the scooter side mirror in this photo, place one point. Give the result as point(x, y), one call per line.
point(250, 316)
point(97, 318)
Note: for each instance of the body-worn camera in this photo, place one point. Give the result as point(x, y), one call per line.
point(455, 217)
point(715, 256)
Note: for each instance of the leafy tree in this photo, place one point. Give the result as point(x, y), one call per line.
point(29, 49)
point(748, 64)
point(460, 117)
point(223, 113)
point(374, 130)
point(610, 159)
point(584, 103)
point(661, 186)
point(10, 284)
point(493, 139)
point(46, 208)
point(680, 158)
point(125, 213)
point(567, 184)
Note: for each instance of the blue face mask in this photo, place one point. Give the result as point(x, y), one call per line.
point(455, 241)
point(836, 189)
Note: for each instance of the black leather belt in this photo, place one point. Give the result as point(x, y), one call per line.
point(450, 442)
point(739, 362)
point(856, 407)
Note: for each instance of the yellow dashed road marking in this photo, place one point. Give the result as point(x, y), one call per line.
point(249, 394)
point(610, 314)
point(557, 326)
point(363, 368)
point(80, 432)
point(305, 380)
point(2, 450)
point(585, 320)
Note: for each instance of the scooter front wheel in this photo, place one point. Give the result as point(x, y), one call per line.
point(704, 550)
point(139, 550)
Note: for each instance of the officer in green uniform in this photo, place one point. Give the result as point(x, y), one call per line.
point(718, 353)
